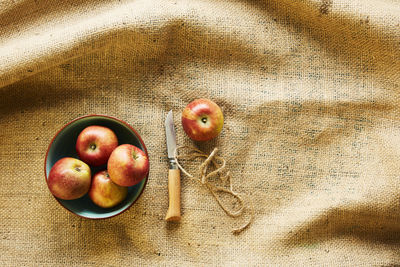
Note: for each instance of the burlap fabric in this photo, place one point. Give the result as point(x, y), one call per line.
point(309, 91)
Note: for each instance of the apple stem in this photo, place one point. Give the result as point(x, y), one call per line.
point(134, 155)
point(92, 146)
point(78, 169)
point(204, 120)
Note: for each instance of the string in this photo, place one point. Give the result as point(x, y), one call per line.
point(220, 171)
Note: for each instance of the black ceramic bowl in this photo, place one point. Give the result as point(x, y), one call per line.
point(63, 145)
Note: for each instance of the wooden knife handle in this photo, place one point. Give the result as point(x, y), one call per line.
point(174, 192)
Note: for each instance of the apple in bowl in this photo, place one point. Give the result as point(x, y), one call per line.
point(95, 144)
point(202, 120)
point(104, 192)
point(69, 178)
point(128, 165)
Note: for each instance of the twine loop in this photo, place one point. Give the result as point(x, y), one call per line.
point(220, 172)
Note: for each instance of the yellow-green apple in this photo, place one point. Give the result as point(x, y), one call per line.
point(202, 120)
point(95, 144)
point(69, 178)
point(127, 165)
point(104, 192)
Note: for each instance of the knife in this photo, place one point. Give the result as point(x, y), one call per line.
point(174, 175)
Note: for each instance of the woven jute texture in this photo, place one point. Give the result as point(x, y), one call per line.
point(310, 95)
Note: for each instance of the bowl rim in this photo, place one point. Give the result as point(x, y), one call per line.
point(107, 117)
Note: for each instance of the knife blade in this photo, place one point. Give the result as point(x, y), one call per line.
point(171, 137)
point(174, 175)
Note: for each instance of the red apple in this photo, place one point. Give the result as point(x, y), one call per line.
point(127, 165)
point(95, 144)
point(104, 192)
point(202, 120)
point(69, 178)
